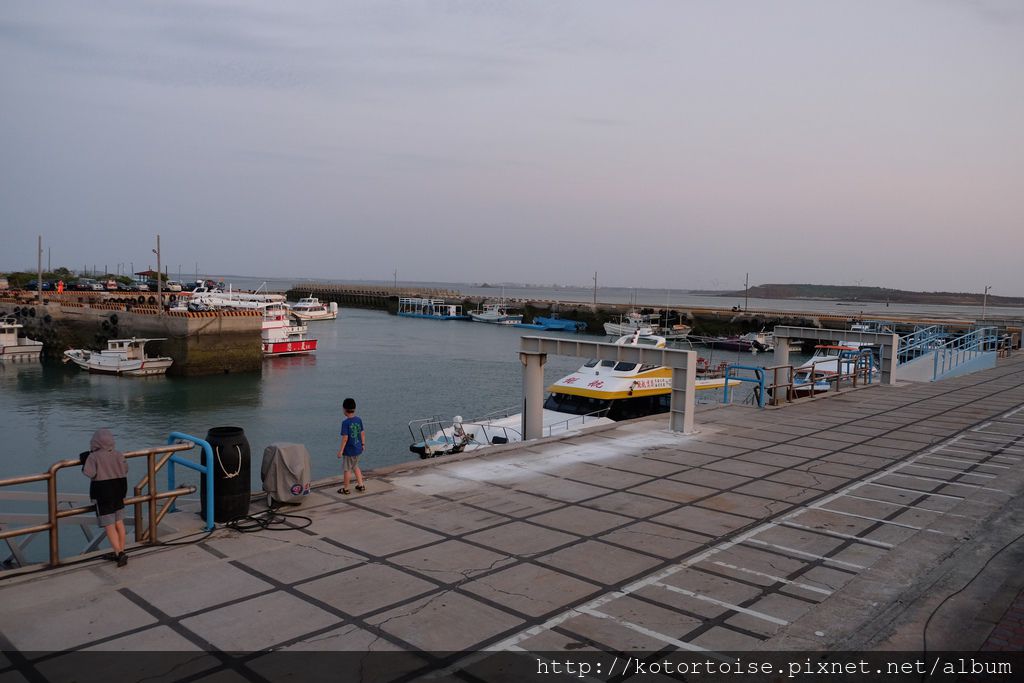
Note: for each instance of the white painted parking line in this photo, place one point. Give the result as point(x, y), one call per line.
point(908, 507)
point(944, 481)
point(797, 584)
point(922, 493)
point(839, 534)
point(879, 520)
point(723, 603)
point(966, 462)
point(806, 554)
point(646, 631)
point(940, 468)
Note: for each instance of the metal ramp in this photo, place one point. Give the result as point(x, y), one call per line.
point(932, 354)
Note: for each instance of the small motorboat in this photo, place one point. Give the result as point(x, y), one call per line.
point(634, 321)
point(496, 313)
point(311, 308)
point(13, 347)
point(121, 357)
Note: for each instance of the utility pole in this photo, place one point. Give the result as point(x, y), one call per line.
point(396, 278)
point(746, 290)
point(159, 277)
point(595, 289)
point(39, 281)
point(48, 269)
point(984, 301)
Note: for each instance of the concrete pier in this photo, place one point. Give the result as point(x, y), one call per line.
point(837, 523)
point(199, 343)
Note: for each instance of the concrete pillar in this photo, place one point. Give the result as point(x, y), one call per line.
point(781, 351)
point(533, 393)
point(890, 349)
point(684, 396)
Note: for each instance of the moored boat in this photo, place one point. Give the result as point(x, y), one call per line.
point(311, 308)
point(121, 357)
point(496, 313)
point(14, 347)
point(283, 335)
point(434, 309)
point(599, 392)
point(753, 342)
point(634, 321)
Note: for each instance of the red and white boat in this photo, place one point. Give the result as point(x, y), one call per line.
point(282, 335)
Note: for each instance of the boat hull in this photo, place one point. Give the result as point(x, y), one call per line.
point(289, 348)
point(21, 352)
point(153, 366)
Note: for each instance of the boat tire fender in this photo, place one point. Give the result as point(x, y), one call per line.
point(47, 319)
point(31, 312)
point(173, 298)
point(151, 300)
point(141, 299)
point(105, 325)
point(113, 319)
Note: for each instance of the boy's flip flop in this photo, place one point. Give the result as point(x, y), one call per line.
point(360, 488)
point(345, 491)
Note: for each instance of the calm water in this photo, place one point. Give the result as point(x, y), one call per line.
point(397, 369)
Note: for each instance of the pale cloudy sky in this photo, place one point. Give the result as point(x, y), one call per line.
point(675, 143)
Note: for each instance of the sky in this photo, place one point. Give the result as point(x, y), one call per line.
point(660, 143)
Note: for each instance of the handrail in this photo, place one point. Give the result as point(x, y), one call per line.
point(202, 469)
point(759, 380)
point(54, 515)
point(964, 348)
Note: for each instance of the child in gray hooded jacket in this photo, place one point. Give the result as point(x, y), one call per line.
point(108, 469)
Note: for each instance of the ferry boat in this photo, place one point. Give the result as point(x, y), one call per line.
point(435, 309)
point(599, 392)
point(13, 347)
point(496, 313)
point(311, 308)
point(121, 357)
point(282, 335)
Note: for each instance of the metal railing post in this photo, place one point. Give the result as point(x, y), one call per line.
point(51, 508)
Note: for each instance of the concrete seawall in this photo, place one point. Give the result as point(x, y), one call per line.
point(199, 343)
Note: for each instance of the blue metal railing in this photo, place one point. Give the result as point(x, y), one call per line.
point(965, 348)
point(758, 379)
point(206, 469)
point(919, 342)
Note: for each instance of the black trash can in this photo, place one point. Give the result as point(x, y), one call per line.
point(231, 469)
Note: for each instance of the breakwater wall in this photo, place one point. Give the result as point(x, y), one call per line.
point(705, 321)
point(200, 343)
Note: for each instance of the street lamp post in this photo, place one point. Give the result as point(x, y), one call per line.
point(159, 278)
point(984, 301)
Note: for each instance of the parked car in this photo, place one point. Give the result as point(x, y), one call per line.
point(138, 287)
point(172, 286)
point(87, 284)
point(33, 285)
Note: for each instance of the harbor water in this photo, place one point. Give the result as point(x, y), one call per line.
point(397, 369)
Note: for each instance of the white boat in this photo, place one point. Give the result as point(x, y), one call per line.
point(434, 309)
point(496, 313)
point(121, 357)
point(204, 298)
point(13, 347)
point(282, 334)
point(818, 375)
point(311, 308)
point(599, 392)
point(634, 321)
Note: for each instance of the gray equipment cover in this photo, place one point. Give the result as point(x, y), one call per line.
point(286, 472)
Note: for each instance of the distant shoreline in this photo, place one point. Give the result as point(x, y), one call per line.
point(865, 295)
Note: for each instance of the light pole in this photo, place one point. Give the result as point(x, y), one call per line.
point(159, 278)
point(984, 301)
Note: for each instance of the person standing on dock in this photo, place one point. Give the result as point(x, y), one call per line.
point(353, 441)
point(108, 469)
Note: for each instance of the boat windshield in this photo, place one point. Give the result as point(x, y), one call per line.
point(575, 405)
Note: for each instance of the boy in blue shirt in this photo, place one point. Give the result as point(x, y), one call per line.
point(353, 441)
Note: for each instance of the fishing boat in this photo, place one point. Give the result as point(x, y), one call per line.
point(634, 321)
point(753, 342)
point(121, 357)
point(311, 308)
point(496, 313)
point(14, 347)
point(563, 324)
point(282, 334)
point(599, 392)
point(434, 309)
